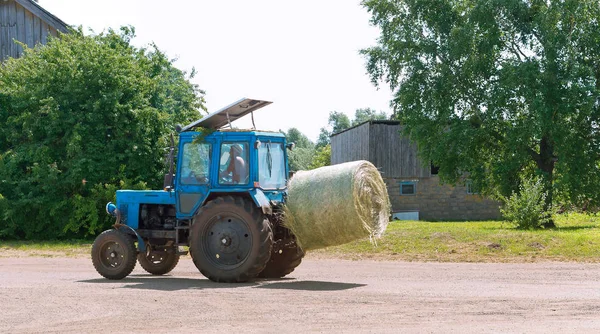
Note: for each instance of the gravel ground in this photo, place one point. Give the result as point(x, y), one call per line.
point(67, 295)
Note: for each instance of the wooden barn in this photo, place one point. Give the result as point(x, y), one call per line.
point(26, 22)
point(414, 188)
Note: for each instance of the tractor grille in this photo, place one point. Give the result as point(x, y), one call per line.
point(123, 208)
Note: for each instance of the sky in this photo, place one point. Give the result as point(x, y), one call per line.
point(302, 55)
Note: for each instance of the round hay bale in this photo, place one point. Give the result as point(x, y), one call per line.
point(334, 205)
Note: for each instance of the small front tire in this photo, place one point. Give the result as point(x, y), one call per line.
point(114, 254)
point(158, 261)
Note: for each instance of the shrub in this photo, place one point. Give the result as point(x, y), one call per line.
point(79, 115)
point(321, 158)
point(525, 209)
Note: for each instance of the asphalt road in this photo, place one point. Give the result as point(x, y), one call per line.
point(67, 295)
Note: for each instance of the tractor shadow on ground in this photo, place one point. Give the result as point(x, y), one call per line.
point(167, 283)
point(170, 283)
point(309, 285)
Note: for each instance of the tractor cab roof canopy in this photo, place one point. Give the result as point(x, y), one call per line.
point(230, 113)
point(234, 133)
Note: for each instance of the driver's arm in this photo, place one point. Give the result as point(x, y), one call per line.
point(228, 170)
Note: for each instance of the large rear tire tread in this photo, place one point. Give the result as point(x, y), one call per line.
point(283, 264)
point(165, 266)
point(262, 240)
point(127, 250)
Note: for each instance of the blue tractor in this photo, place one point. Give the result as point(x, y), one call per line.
point(223, 200)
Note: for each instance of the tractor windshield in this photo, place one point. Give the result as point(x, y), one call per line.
point(271, 166)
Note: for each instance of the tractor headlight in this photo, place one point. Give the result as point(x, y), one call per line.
point(111, 209)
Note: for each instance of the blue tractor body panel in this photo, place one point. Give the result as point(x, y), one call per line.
point(128, 203)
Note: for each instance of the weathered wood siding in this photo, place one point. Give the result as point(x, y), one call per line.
point(18, 23)
point(382, 144)
point(395, 155)
point(350, 145)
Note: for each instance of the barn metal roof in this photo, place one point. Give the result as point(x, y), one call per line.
point(388, 122)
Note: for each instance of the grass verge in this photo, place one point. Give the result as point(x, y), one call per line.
point(74, 248)
point(577, 238)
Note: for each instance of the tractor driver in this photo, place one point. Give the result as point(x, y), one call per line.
point(237, 166)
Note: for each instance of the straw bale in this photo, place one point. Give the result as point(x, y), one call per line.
point(337, 204)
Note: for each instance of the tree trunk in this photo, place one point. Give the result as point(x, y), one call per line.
point(548, 189)
point(545, 162)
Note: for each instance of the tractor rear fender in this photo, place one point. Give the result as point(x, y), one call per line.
point(261, 201)
point(257, 196)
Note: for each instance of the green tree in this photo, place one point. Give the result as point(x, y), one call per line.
point(337, 122)
point(301, 156)
point(322, 157)
point(324, 138)
point(498, 89)
point(82, 117)
point(301, 140)
point(367, 114)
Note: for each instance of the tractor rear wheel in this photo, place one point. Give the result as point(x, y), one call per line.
point(157, 260)
point(286, 256)
point(113, 254)
point(231, 240)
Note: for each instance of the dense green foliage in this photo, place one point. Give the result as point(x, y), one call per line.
point(82, 117)
point(322, 157)
point(302, 155)
point(337, 122)
point(301, 140)
point(498, 89)
point(367, 114)
point(525, 209)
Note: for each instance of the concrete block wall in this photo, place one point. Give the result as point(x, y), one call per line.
point(436, 202)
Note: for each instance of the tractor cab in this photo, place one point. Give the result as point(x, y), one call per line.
point(223, 199)
point(228, 161)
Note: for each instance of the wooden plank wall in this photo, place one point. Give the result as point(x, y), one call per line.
point(20, 24)
point(395, 155)
point(382, 144)
point(350, 145)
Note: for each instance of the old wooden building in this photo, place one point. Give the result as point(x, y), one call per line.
point(27, 22)
point(413, 186)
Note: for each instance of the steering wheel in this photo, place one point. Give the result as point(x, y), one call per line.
point(226, 180)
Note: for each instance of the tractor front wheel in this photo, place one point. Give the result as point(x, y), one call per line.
point(231, 240)
point(114, 254)
point(157, 260)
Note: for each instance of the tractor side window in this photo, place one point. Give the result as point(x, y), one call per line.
point(271, 166)
point(195, 163)
point(234, 163)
